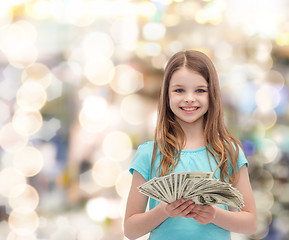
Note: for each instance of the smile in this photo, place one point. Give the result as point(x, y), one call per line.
point(189, 108)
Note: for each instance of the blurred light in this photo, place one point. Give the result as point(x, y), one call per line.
point(282, 39)
point(31, 96)
point(105, 172)
point(6, 14)
point(275, 79)
point(20, 32)
point(37, 72)
point(245, 96)
point(97, 209)
point(173, 47)
point(87, 184)
point(90, 232)
point(117, 146)
point(123, 183)
point(94, 107)
point(267, 118)
point(39, 9)
point(133, 109)
point(99, 71)
point(23, 196)
point(172, 19)
point(27, 123)
point(151, 49)
point(154, 31)
point(265, 199)
point(103, 8)
point(5, 112)
point(80, 13)
point(269, 150)
point(127, 80)
point(211, 13)
point(97, 44)
point(55, 89)
point(95, 115)
point(93, 125)
point(267, 97)
point(21, 235)
point(280, 135)
point(28, 160)
point(64, 229)
point(265, 179)
point(17, 42)
point(159, 61)
point(69, 72)
point(146, 9)
point(9, 178)
point(283, 197)
point(21, 56)
point(23, 219)
point(165, 2)
point(224, 51)
point(49, 129)
point(11, 140)
point(125, 32)
point(264, 220)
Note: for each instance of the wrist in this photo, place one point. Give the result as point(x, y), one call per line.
point(163, 211)
point(215, 214)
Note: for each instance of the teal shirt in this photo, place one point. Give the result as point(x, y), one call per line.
point(179, 227)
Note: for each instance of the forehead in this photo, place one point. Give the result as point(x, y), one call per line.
point(186, 76)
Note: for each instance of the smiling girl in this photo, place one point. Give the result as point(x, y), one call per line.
point(190, 135)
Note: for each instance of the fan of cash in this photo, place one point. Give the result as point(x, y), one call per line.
point(198, 186)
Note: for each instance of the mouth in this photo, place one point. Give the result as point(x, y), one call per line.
point(189, 108)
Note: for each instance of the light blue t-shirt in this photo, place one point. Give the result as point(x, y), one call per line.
point(179, 227)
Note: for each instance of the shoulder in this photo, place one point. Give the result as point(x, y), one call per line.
point(146, 146)
point(142, 159)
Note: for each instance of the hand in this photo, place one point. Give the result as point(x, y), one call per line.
point(202, 214)
point(179, 208)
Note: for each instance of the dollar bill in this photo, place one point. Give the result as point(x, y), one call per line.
point(198, 186)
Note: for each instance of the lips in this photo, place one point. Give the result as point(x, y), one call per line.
point(189, 108)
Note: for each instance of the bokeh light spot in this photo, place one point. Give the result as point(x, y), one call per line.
point(10, 139)
point(23, 196)
point(28, 161)
point(117, 146)
point(27, 123)
point(9, 178)
point(127, 80)
point(105, 172)
point(31, 96)
point(133, 109)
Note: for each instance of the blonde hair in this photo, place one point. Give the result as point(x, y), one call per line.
point(219, 142)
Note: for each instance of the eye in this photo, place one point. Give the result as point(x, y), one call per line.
point(201, 90)
point(179, 90)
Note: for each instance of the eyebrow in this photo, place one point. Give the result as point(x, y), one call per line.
point(200, 86)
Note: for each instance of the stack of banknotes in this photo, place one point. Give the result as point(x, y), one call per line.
point(198, 186)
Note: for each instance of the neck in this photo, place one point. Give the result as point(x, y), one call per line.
point(194, 135)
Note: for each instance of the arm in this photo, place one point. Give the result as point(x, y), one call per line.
point(244, 221)
point(137, 222)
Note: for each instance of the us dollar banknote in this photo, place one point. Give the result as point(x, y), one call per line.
point(197, 186)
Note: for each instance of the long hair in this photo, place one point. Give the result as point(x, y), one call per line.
point(169, 136)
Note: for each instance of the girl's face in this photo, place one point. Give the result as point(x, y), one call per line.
point(189, 97)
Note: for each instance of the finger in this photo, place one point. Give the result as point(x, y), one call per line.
point(184, 208)
point(203, 209)
point(177, 203)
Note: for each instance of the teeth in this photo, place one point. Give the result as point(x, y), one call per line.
point(189, 109)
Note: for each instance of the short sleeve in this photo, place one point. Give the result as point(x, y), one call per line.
point(142, 160)
point(242, 159)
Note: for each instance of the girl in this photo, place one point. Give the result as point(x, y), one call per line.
point(190, 135)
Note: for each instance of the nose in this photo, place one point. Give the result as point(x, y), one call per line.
point(190, 97)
